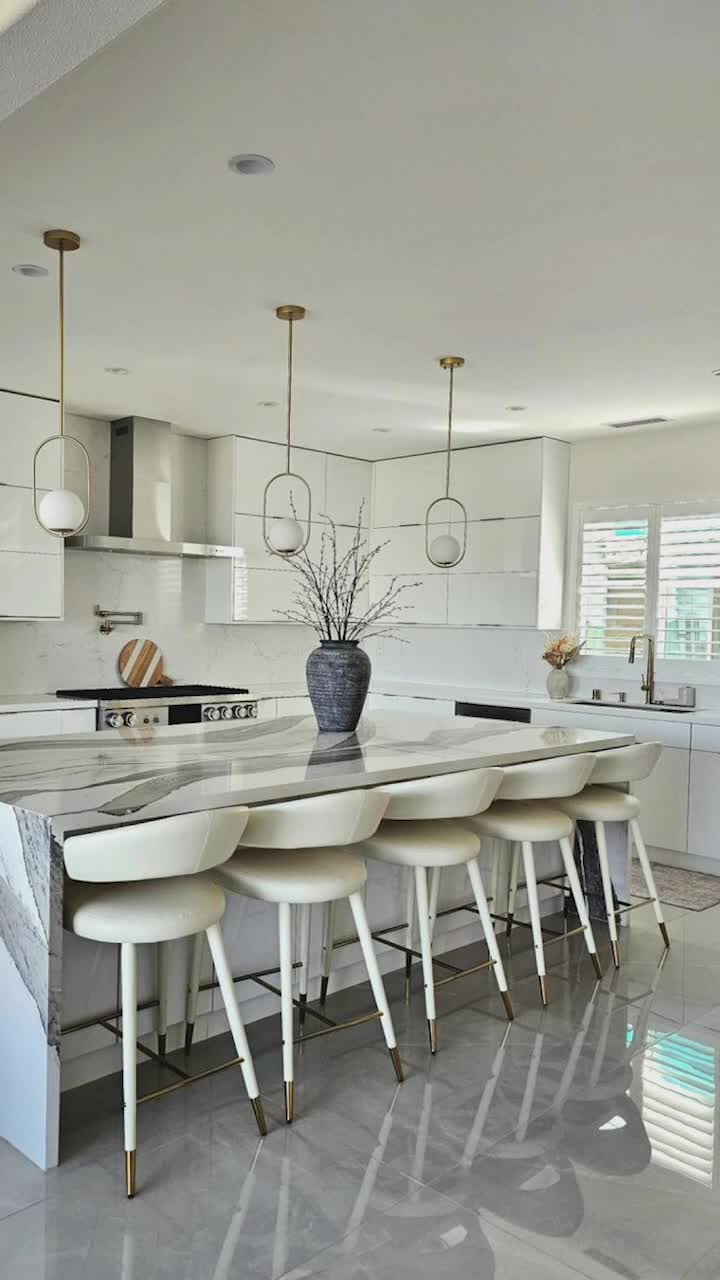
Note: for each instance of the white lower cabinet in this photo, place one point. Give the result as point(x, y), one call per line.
point(46, 724)
point(664, 795)
point(704, 826)
point(398, 702)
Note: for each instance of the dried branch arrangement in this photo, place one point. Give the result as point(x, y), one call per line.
point(328, 590)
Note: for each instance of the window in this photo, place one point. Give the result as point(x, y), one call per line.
point(613, 583)
point(653, 569)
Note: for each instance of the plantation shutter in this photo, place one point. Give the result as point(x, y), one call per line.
point(612, 589)
point(688, 608)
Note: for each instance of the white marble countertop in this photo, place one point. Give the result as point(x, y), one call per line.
point(11, 703)
point(512, 698)
point(91, 780)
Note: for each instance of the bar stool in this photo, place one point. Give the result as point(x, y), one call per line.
point(295, 854)
point(526, 813)
point(421, 830)
point(175, 903)
point(600, 803)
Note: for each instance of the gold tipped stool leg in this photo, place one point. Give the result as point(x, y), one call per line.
point(130, 1173)
point(259, 1114)
point(289, 1101)
point(664, 932)
point(615, 955)
point(543, 989)
point(397, 1065)
point(432, 1034)
point(508, 1005)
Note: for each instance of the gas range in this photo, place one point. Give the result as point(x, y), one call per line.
point(125, 708)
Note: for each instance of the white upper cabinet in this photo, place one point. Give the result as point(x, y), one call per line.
point(516, 501)
point(498, 480)
point(349, 485)
point(24, 423)
point(31, 560)
point(255, 464)
point(404, 488)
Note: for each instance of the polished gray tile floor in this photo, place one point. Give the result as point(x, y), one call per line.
point(580, 1141)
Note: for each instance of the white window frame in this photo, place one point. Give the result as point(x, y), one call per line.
point(653, 512)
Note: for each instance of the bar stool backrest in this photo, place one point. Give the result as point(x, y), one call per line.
point(626, 764)
point(342, 817)
point(543, 779)
point(178, 846)
point(450, 795)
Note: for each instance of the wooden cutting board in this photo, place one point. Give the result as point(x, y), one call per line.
point(141, 665)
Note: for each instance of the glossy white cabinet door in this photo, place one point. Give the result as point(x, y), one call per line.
point(349, 483)
point(403, 489)
point(30, 724)
point(257, 461)
point(492, 599)
point(500, 546)
point(402, 551)
point(704, 823)
point(24, 423)
point(664, 800)
point(19, 530)
point(30, 585)
point(80, 720)
point(425, 602)
point(499, 479)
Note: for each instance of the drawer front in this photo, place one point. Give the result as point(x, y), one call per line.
point(31, 724)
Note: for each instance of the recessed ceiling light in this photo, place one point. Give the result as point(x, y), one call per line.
point(116, 369)
point(382, 431)
point(250, 165)
point(516, 408)
point(29, 269)
point(267, 404)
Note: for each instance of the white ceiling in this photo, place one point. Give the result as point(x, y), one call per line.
point(531, 185)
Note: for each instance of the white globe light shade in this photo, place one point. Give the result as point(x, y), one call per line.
point(61, 511)
point(445, 549)
point(286, 536)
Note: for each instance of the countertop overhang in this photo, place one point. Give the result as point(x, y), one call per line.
point(88, 781)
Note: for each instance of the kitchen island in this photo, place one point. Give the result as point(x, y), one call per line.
point(51, 788)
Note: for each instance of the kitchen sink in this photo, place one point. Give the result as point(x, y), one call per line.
point(630, 706)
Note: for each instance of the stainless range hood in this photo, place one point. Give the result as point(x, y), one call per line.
point(141, 496)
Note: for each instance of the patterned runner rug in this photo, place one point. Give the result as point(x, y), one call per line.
point(692, 890)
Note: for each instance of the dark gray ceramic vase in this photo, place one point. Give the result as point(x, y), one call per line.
point(338, 675)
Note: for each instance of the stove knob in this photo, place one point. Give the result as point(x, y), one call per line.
point(226, 713)
point(129, 719)
point(114, 720)
point(212, 713)
point(240, 711)
point(252, 710)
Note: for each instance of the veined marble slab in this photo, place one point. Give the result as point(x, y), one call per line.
point(52, 787)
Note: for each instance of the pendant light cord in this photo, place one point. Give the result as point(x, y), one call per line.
point(61, 332)
point(449, 436)
point(289, 392)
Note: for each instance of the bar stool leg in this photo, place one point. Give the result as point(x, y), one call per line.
point(512, 890)
point(242, 1048)
point(193, 989)
point(647, 871)
point(357, 906)
point(410, 930)
point(434, 895)
point(304, 948)
point(534, 905)
point(327, 951)
point(607, 891)
point(580, 904)
point(423, 915)
point(162, 958)
point(486, 922)
point(128, 971)
point(286, 1003)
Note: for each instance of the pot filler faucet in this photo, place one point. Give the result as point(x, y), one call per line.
point(648, 684)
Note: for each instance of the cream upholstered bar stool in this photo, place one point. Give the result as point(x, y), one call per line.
point(526, 813)
point(295, 854)
point(602, 802)
point(140, 884)
point(423, 830)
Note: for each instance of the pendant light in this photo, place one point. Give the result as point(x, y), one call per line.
point(445, 551)
point(285, 537)
point(61, 512)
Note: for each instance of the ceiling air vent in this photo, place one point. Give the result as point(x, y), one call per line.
point(637, 422)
